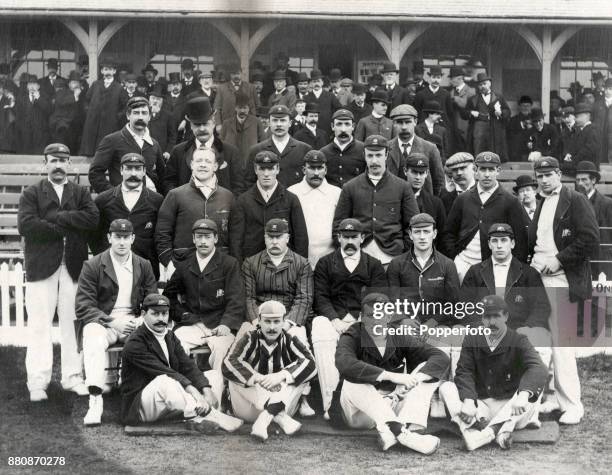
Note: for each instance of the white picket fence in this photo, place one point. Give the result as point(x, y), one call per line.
point(13, 325)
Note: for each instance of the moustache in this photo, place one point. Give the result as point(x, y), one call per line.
point(350, 246)
point(59, 170)
point(344, 135)
point(161, 324)
point(140, 122)
point(135, 179)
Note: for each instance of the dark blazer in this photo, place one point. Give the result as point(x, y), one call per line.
point(32, 123)
point(229, 173)
point(587, 145)
point(250, 215)
point(102, 106)
point(98, 289)
point(359, 112)
point(513, 366)
point(343, 166)
point(52, 229)
point(576, 235)
point(442, 97)
point(47, 88)
point(242, 136)
point(214, 296)
point(433, 206)
point(469, 215)
point(396, 96)
point(487, 131)
point(328, 104)
point(143, 360)
point(108, 158)
point(291, 162)
point(163, 128)
point(603, 213)
point(524, 293)
point(316, 142)
point(338, 291)
point(440, 138)
point(359, 361)
point(66, 121)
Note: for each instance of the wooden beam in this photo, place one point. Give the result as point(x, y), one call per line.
point(78, 31)
point(380, 36)
point(92, 50)
point(228, 31)
point(244, 52)
point(547, 59)
point(563, 38)
point(532, 40)
point(410, 37)
point(109, 32)
point(262, 32)
point(395, 44)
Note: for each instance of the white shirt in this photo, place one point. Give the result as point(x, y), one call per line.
point(486, 98)
point(374, 179)
point(124, 272)
point(318, 205)
point(545, 239)
point(376, 115)
point(108, 82)
point(206, 187)
point(59, 188)
point(312, 129)
point(351, 262)
point(140, 140)
point(433, 89)
point(486, 194)
point(530, 212)
point(280, 146)
point(276, 260)
point(266, 195)
point(206, 145)
point(130, 197)
point(405, 145)
point(430, 126)
point(342, 146)
point(494, 342)
point(203, 261)
point(500, 274)
point(161, 339)
point(318, 93)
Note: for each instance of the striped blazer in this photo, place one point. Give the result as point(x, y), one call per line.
point(253, 355)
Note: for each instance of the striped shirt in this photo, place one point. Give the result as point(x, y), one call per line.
point(291, 283)
point(252, 355)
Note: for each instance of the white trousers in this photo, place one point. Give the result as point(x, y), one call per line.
point(364, 407)
point(42, 298)
point(324, 342)
point(249, 402)
point(191, 336)
point(463, 264)
point(164, 397)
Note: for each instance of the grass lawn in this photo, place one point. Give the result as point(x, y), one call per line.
point(55, 428)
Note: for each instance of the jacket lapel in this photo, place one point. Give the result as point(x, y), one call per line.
point(189, 154)
point(109, 270)
point(562, 206)
point(486, 271)
point(514, 274)
point(50, 192)
point(136, 271)
point(67, 194)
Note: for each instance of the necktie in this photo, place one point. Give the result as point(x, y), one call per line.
point(405, 152)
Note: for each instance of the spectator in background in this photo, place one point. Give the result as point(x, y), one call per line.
point(431, 129)
point(162, 126)
point(225, 100)
point(32, 112)
point(517, 130)
point(311, 134)
point(358, 106)
point(66, 122)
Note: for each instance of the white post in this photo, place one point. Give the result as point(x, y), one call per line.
point(547, 58)
point(92, 50)
point(4, 295)
point(18, 282)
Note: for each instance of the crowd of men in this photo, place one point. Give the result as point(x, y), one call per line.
point(276, 252)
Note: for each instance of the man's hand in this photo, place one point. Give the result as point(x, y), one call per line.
point(519, 406)
point(222, 330)
point(468, 411)
point(123, 325)
point(339, 325)
point(166, 155)
point(568, 157)
point(551, 265)
point(407, 380)
point(202, 405)
point(475, 113)
point(270, 381)
point(287, 325)
point(210, 397)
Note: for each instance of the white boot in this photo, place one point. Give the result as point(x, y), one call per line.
point(38, 395)
point(260, 426)
point(386, 439)
point(94, 414)
point(227, 423)
point(477, 438)
point(424, 444)
point(289, 425)
point(305, 409)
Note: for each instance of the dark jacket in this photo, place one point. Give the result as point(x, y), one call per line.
point(184, 206)
point(440, 138)
point(214, 296)
point(433, 206)
point(98, 289)
point(587, 145)
point(328, 104)
point(316, 142)
point(343, 166)
point(66, 121)
point(143, 360)
point(384, 210)
point(602, 205)
point(242, 136)
point(437, 281)
point(370, 125)
point(250, 215)
point(528, 304)
point(487, 131)
point(359, 112)
point(229, 173)
point(545, 141)
point(602, 118)
point(291, 162)
point(468, 215)
point(576, 235)
point(338, 291)
point(32, 121)
point(143, 217)
point(108, 158)
point(442, 97)
point(359, 361)
point(516, 131)
point(396, 96)
point(163, 128)
point(512, 367)
point(102, 106)
point(52, 230)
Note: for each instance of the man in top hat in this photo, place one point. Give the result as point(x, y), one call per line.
point(54, 217)
point(542, 138)
point(459, 94)
point(207, 295)
point(328, 103)
point(345, 159)
point(433, 92)
point(129, 90)
point(267, 197)
point(562, 237)
point(418, 73)
point(150, 75)
point(203, 135)
point(47, 84)
point(190, 81)
point(66, 121)
point(602, 117)
point(406, 142)
point(32, 111)
point(396, 94)
point(432, 130)
point(134, 137)
point(499, 378)
point(159, 381)
point(474, 211)
point(526, 189)
point(103, 104)
point(225, 101)
point(586, 145)
point(416, 171)
point(175, 98)
point(257, 80)
point(243, 131)
point(489, 115)
point(381, 201)
point(162, 125)
point(359, 107)
point(460, 168)
point(318, 200)
point(281, 95)
point(112, 286)
point(133, 201)
point(289, 150)
point(310, 133)
point(377, 123)
point(340, 278)
point(587, 178)
point(517, 130)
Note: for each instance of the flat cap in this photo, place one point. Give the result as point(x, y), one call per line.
point(136, 101)
point(376, 142)
point(374, 297)
point(459, 158)
point(402, 111)
point(501, 229)
point(343, 114)
point(133, 158)
point(277, 226)
point(121, 226)
point(543, 164)
point(493, 304)
point(279, 110)
point(205, 225)
point(57, 150)
point(487, 159)
point(350, 226)
point(272, 308)
point(346, 82)
point(422, 220)
point(155, 300)
point(266, 157)
point(315, 157)
point(417, 160)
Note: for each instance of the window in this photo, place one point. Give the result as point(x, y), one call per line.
point(581, 70)
point(35, 62)
point(301, 65)
point(171, 63)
